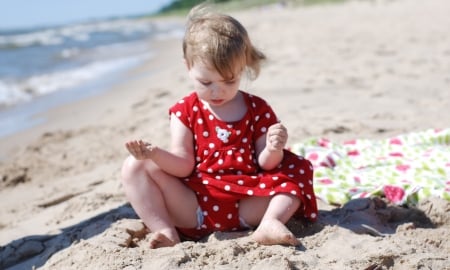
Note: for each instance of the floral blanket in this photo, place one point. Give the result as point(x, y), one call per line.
point(404, 169)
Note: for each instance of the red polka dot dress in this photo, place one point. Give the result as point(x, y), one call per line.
point(226, 165)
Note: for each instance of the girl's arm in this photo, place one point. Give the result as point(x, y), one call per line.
point(269, 147)
point(179, 161)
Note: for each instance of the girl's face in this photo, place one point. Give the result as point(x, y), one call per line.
point(211, 87)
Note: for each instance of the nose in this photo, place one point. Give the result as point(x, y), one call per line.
point(215, 90)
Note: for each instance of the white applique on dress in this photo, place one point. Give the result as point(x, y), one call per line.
point(223, 134)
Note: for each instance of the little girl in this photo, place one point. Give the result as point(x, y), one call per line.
point(227, 168)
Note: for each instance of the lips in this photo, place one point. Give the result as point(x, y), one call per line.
point(216, 101)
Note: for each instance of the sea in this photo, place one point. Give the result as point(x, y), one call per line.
point(41, 68)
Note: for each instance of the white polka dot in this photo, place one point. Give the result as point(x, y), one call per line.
point(308, 196)
point(275, 178)
point(272, 192)
point(205, 134)
point(217, 225)
point(291, 166)
point(211, 117)
point(218, 177)
point(257, 118)
point(216, 208)
point(240, 159)
point(205, 152)
point(240, 182)
point(310, 182)
point(262, 185)
point(221, 171)
point(210, 170)
point(263, 129)
point(293, 192)
point(205, 182)
point(216, 154)
point(239, 173)
point(178, 114)
point(291, 175)
point(313, 215)
point(227, 188)
point(301, 171)
point(250, 192)
point(242, 150)
point(230, 216)
point(205, 213)
point(198, 159)
point(253, 105)
point(284, 184)
point(205, 198)
point(238, 132)
point(181, 101)
point(254, 176)
point(211, 145)
point(204, 226)
point(244, 140)
point(220, 161)
point(267, 115)
point(230, 126)
point(195, 108)
point(229, 152)
point(301, 185)
point(200, 121)
point(199, 175)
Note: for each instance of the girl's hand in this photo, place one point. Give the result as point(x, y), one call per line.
point(276, 137)
point(139, 149)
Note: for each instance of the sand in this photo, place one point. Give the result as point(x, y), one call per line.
point(368, 69)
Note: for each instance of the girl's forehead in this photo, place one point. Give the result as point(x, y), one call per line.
point(207, 71)
point(204, 69)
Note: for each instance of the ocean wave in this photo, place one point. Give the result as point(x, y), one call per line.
point(26, 89)
point(76, 32)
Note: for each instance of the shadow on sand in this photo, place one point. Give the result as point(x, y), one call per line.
point(362, 216)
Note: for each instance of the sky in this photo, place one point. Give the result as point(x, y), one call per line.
point(31, 13)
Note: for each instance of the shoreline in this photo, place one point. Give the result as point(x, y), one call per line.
point(51, 112)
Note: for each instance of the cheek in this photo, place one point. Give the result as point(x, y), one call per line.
point(202, 91)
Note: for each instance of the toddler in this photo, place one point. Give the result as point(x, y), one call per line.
point(227, 168)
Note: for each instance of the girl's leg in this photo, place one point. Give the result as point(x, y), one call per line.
point(160, 200)
point(270, 214)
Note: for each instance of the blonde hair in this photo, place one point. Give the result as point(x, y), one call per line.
point(220, 41)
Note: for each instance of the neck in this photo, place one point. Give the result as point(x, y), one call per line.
point(231, 111)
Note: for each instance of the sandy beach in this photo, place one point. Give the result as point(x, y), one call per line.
point(360, 69)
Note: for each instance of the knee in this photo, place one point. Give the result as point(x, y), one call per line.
point(131, 168)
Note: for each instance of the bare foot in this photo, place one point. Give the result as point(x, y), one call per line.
point(273, 232)
point(159, 240)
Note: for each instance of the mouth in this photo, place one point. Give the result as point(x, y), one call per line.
point(216, 101)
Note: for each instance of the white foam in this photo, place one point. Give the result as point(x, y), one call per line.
point(79, 32)
point(47, 83)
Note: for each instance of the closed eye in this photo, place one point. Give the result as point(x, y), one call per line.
point(205, 83)
point(231, 82)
